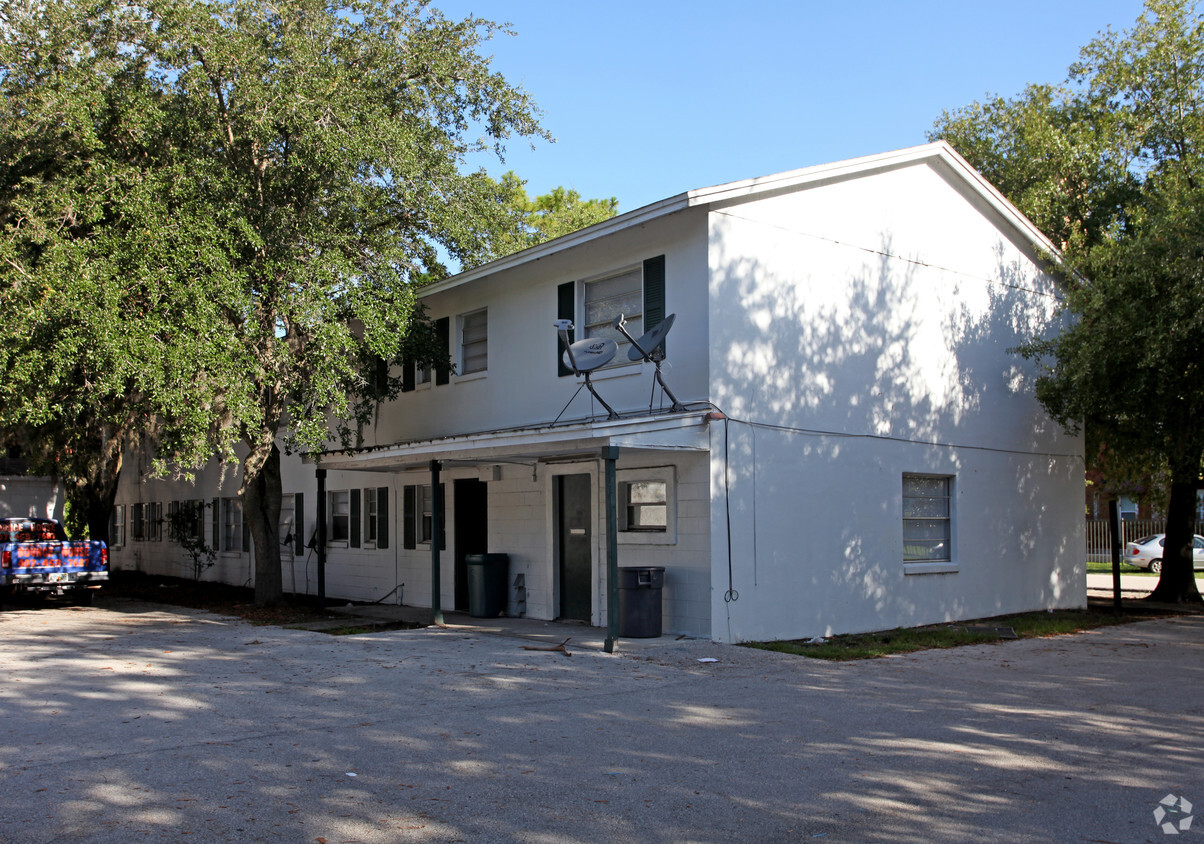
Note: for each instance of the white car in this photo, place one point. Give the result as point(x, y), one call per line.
point(1146, 553)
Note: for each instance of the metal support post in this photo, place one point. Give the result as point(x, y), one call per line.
point(320, 507)
point(436, 538)
point(610, 455)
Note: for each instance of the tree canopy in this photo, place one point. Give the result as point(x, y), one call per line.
point(1109, 165)
point(215, 217)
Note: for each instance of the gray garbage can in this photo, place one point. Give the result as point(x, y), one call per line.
point(640, 601)
point(487, 576)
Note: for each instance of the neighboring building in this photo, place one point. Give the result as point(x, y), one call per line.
point(858, 448)
point(25, 495)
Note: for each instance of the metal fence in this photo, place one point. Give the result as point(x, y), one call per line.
point(1099, 535)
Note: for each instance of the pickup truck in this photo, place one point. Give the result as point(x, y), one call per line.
point(37, 557)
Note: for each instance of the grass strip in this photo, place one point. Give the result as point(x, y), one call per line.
point(903, 640)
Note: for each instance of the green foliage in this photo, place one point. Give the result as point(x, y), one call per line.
point(528, 221)
point(214, 217)
point(1110, 167)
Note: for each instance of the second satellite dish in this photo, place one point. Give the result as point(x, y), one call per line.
point(646, 346)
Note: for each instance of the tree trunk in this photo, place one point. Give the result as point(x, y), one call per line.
point(95, 498)
point(1177, 585)
point(261, 495)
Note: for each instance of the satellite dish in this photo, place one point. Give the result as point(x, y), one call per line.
point(583, 357)
point(591, 354)
point(648, 349)
point(646, 346)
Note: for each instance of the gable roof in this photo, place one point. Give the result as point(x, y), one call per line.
point(938, 153)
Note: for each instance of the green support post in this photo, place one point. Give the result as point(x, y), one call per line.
point(610, 455)
point(436, 538)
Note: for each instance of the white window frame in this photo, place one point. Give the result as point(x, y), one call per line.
point(603, 327)
point(468, 334)
point(949, 518)
point(287, 522)
point(195, 527)
point(641, 536)
point(370, 512)
point(231, 533)
point(153, 521)
point(137, 522)
point(424, 522)
point(422, 377)
point(117, 527)
point(338, 507)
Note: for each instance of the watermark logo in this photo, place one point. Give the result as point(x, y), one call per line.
point(1173, 814)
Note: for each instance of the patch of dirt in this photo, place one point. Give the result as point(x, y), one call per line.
point(219, 598)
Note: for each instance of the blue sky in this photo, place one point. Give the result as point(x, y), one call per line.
point(650, 99)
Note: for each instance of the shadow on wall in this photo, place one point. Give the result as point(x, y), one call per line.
point(851, 363)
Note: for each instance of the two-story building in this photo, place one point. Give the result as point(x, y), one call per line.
point(853, 445)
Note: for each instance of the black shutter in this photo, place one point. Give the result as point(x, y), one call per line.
point(407, 375)
point(409, 535)
point(246, 532)
point(299, 524)
point(217, 524)
point(382, 517)
point(443, 333)
point(382, 375)
point(566, 307)
point(354, 518)
point(654, 293)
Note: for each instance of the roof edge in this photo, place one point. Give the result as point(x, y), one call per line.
point(750, 188)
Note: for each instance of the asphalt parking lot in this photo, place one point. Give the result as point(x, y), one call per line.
point(130, 721)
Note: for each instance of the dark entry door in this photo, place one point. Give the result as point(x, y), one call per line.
point(574, 545)
point(471, 530)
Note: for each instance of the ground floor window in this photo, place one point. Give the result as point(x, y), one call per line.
point(340, 515)
point(117, 527)
point(927, 519)
point(154, 520)
point(418, 523)
point(371, 516)
point(647, 504)
point(231, 524)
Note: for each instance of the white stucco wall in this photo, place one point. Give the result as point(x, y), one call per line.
point(25, 495)
point(865, 325)
point(521, 386)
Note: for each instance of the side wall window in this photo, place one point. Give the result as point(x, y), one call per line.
point(927, 518)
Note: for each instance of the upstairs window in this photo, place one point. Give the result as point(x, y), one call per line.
point(608, 298)
point(474, 342)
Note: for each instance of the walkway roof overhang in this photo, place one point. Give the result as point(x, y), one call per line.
point(531, 445)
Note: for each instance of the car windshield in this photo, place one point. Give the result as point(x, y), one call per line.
point(1145, 540)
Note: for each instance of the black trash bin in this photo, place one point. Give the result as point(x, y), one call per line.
point(487, 576)
point(640, 601)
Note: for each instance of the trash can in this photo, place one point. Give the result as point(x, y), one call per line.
point(640, 601)
point(487, 576)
